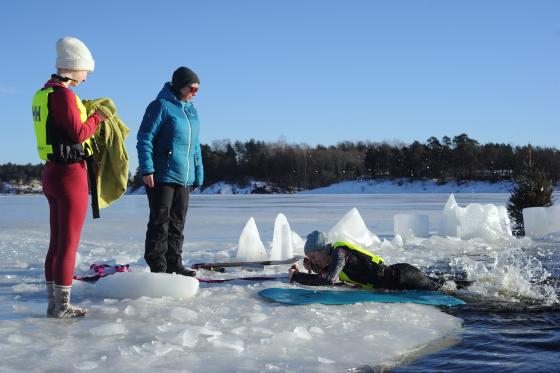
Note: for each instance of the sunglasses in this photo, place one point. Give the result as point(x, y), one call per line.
point(193, 89)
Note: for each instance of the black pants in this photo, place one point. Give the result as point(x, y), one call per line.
point(403, 276)
point(164, 237)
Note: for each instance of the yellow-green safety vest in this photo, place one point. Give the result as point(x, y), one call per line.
point(374, 258)
point(40, 111)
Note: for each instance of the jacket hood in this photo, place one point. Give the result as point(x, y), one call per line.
point(167, 94)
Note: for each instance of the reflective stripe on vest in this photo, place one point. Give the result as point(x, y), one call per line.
point(40, 111)
point(374, 258)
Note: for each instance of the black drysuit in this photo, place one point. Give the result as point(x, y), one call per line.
point(362, 270)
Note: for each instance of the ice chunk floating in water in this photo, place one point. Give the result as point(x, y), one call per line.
point(352, 228)
point(541, 221)
point(282, 239)
point(250, 244)
point(489, 222)
point(134, 285)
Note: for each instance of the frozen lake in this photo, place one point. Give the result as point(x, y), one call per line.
point(226, 327)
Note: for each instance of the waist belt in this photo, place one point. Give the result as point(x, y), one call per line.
point(73, 153)
point(67, 153)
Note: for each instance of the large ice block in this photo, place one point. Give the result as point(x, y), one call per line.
point(282, 239)
point(541, 221)
point(352, 228)
point(145, 284)
point(489, 222)
point(297, 244)
point(250, 244)
point(449, 220)
point(411, 225)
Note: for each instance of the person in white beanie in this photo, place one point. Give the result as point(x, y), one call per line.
point(73, 55)
point(63, 132)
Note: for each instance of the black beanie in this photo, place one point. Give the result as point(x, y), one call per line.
point(182, 77)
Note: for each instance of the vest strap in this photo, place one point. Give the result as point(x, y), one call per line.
point(92, 181)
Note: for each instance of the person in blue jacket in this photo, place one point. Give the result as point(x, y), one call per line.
point(171, 163)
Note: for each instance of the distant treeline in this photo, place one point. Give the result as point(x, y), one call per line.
point(299, 166)
point(21, 174)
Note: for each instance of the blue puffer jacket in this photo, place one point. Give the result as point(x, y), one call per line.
point(168, 144)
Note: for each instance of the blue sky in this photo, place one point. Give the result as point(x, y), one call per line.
point(315, 72)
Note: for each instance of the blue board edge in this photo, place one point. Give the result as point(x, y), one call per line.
point(298, 296)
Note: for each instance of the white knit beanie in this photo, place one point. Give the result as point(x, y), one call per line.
point(72, 54)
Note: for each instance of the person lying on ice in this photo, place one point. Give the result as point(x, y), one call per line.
point(349, 263)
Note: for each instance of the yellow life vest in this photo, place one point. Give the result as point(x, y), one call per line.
point(374, 258)
point(40, 112)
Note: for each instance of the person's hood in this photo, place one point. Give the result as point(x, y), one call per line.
point(167, 94)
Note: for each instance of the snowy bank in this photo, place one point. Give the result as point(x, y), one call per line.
point(360, 187)
point(404, 186)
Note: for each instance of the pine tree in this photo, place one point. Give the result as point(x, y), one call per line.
point(533, 189)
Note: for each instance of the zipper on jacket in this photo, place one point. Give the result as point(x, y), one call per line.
point(189, 148)
point(169, 155)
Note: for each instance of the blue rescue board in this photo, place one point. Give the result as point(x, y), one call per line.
point(305, 296)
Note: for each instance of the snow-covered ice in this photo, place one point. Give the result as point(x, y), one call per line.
point(227, 327)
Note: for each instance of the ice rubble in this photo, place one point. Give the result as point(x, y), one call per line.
point(286, 243)
point(489, 222)
point(541, 221)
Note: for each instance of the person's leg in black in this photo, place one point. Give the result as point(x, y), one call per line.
point(176, 237)
point(160, 198)
point(403, 276)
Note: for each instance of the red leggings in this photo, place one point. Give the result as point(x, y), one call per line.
point(66, 188)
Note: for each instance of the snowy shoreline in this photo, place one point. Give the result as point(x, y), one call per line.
point(400, 186)
point(397, 186)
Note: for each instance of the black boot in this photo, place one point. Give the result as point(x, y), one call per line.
point(181, 270)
